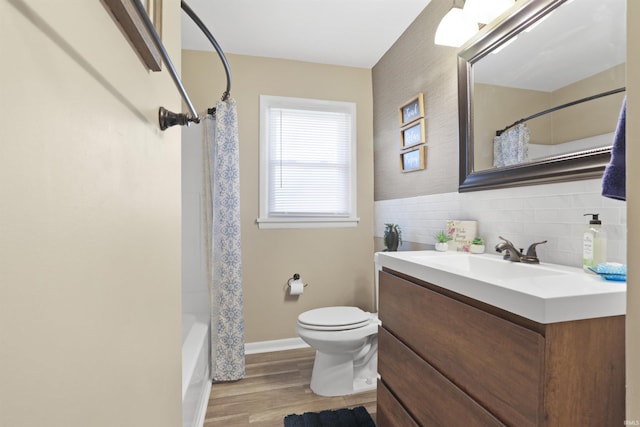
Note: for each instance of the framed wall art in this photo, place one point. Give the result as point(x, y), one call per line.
point(413, 160)
point(413, 134)
point(126, 14)
point(412, 110)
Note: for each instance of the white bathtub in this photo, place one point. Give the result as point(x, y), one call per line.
point(196, 384)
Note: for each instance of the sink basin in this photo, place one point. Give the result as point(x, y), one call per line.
point(545, 293)
point(495, 267)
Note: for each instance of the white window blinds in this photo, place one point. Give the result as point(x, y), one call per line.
point(308, 157)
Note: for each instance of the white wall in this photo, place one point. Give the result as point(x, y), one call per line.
point(195, 293)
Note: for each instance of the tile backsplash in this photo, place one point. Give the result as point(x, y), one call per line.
point(523, 215)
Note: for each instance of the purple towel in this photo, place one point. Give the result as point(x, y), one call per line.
point(614, 178)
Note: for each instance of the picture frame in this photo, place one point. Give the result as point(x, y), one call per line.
point(413, 134)
point(413, 160)
point(412, 110)
point(126, 15)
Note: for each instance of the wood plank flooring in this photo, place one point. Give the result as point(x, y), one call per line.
point(276, 385)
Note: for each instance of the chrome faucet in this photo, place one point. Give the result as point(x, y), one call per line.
point(510, 251)
point(514, 255)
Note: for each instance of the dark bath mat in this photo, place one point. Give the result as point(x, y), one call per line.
point(356, 417)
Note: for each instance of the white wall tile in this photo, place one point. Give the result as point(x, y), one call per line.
point(524, 215)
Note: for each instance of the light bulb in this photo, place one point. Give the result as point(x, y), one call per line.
point(455, 28)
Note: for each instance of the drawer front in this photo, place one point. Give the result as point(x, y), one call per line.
point(389, 412)
point(496, 362)
point(430, 398)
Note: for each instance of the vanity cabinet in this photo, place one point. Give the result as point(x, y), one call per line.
point(446, 360)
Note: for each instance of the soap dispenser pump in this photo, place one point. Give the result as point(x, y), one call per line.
point(594, 243)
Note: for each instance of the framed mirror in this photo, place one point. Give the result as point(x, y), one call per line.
point(540, 92)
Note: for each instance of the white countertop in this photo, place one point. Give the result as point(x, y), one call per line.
point(545, 293)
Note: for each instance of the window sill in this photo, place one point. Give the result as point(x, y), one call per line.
point(270, 223)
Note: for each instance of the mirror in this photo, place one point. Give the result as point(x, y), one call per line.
point(540, 91)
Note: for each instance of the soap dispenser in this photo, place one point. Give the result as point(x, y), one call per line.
point(594, 243)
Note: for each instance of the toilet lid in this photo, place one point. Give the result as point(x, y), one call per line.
point(334, 318)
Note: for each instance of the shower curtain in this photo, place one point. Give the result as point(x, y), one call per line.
point(511, 147)
point(221, 214)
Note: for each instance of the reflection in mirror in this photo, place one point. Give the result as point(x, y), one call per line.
point(541, 93)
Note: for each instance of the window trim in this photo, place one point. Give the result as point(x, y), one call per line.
point(303, 221)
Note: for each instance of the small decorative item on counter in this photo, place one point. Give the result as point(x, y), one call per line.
point(477, 246)
point(461, 233)
point(611, 271)
point(442, 241)
point(392, 237)
point(594, 243)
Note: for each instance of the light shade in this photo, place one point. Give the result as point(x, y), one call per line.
point(485, 11)
point(455, 28)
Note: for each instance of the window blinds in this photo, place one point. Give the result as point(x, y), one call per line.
point(310, 163)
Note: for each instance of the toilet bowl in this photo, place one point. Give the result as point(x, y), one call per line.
point(346, 343)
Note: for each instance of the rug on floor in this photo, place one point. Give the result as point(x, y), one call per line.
point(356, 417)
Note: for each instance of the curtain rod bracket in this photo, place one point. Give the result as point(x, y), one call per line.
point(168, 118)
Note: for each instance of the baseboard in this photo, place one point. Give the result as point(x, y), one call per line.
point(274, 345)
point(204, 403)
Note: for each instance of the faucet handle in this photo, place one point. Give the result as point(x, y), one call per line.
point(506, 241)
point(531, 252)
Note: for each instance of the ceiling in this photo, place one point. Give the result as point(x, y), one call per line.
point(577, 40)
point(354, 33)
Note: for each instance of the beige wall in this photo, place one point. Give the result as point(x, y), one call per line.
point(633, 212)
point(90, 223)
point(412, 65)
point(337, 263)
point(569, 124)
point(495, 107)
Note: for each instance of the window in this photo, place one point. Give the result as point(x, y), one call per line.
point(307, 163)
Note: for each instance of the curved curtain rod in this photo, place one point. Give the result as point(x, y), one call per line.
point(215, 44)
point(560, 107)
point(168, 118)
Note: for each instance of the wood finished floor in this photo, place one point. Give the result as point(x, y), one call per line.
point(276, 385)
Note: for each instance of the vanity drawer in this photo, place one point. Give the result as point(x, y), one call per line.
point(389, 412)
point(496, 362)
point(434, 400)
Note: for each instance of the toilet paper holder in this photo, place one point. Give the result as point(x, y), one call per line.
point(295, 277)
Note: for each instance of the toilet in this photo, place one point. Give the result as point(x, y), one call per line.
point(346, 343)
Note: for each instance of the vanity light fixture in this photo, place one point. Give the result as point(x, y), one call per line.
point(455, 28)
point(485, 11)
point(460, 24)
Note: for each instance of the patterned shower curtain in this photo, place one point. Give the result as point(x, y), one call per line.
point(512, 146)
point(221, 213)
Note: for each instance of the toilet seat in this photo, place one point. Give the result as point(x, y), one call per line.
point(334, 318)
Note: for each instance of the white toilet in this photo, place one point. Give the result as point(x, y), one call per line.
point(346, 343)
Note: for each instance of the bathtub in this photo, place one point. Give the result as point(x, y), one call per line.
point(196, 384)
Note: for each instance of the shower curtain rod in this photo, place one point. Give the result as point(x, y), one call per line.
point(560, 107)
point(168, 118)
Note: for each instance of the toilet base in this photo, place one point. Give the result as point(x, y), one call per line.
point(341, 375)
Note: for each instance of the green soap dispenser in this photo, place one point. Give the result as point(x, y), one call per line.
point(594, 244)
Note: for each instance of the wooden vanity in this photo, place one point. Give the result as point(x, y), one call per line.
point(446, 359)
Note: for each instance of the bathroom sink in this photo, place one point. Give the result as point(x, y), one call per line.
point(493, 267)
point(545, 293)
